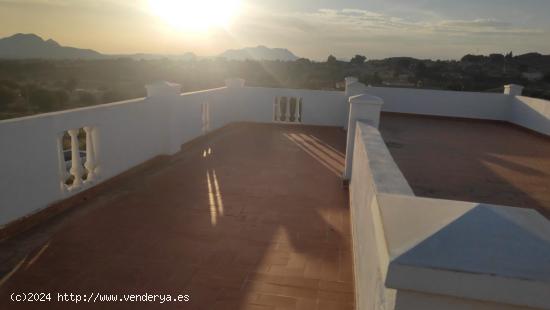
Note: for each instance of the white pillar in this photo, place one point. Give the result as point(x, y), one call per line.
point(76, 165)
point(63, 175)
point(276, 109)
point(364, 108)
point(90, 164)
point(299, 103)
point(296, 109)
point(513, 90)
point(283, 112)
point(354, 88)
point(165, 96)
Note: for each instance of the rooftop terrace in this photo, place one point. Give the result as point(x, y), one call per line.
point(236, 219)
point(471, 160)
point(262, 198)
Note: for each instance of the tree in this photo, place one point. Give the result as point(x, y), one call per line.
point(496, 58)
point(43, 99)
point(358, 60)
point(376, 79)
point(71, 84)
point(331, 59)
point(62, 96)
point(111, 96)
point(86, 98)
point(420, 70)
point(303, 61)
point(7, 96)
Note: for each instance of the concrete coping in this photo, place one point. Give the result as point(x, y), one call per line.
point(467, 250)
point(387, 178)
point(366, 99)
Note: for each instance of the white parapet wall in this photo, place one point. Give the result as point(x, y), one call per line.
point(414, 253)
point(491, 106)
point(126, 134)
point(325, 108)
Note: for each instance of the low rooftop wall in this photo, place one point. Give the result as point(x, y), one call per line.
point(126, 134)
point(530, 113)
point(477, 105)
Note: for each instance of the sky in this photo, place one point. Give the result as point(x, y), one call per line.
point(436, 29)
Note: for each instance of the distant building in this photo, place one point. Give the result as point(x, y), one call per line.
point(533, 76)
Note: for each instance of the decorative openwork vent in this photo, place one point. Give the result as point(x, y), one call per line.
point(77, 158)
point(287, 110)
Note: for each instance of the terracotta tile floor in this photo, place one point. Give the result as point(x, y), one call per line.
point(471, 160)
point(253, 217)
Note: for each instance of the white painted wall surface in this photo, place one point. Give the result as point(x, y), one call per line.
point(531, 113)
point(374, 171)
point(325, 108)
point(132, 132)
point(129, 133)
point(444, 103)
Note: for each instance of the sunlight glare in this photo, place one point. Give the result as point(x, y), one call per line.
point(196, 15)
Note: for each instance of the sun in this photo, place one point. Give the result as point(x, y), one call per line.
point(196, 15)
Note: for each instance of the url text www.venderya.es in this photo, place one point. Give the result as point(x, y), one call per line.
point(95, 297)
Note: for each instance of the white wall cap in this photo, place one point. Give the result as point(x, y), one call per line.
point(467, 250)
point(386, 175)
point(366, 99)
point(162, 88)
point(234, 83)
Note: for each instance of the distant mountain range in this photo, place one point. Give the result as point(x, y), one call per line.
point(259, 53)
point(22, 46)
point(31, 46)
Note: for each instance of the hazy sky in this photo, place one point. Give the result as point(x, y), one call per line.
point(310, 28)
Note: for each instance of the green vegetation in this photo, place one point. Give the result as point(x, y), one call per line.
point(37, 86)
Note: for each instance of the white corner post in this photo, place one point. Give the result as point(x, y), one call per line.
point(513, 90)
point(166, 95)
point(365, 108)
point(353, 88)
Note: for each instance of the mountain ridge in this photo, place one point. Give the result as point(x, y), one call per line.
point(32, 46)
point(259, 52)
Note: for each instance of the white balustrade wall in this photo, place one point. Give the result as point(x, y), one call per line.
point(126, 134)
point(325, 108)
point(122, 135)
point(287, 110)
